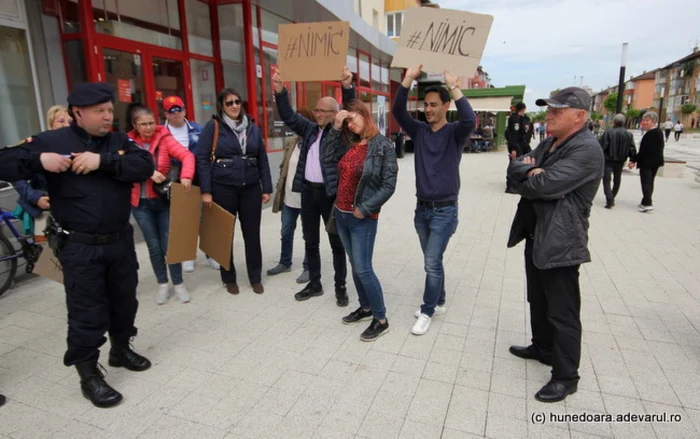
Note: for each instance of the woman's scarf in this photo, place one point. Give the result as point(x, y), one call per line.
point(240, 128)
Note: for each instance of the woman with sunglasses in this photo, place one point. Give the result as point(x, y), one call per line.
point(151, 210)
point(367, 171)
point(234, 173)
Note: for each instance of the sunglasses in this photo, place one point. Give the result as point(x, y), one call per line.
point(233, 102)
point(175, 110)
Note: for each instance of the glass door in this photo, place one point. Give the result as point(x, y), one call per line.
point(124, 72)
point(169, 80)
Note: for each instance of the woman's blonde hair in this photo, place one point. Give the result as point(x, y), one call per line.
point(53, 112)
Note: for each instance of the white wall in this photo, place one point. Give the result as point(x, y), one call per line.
point(367, 7)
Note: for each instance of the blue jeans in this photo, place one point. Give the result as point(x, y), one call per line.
point(357, 236)
point(289, 225)
point(434, 226)
point(153, 217)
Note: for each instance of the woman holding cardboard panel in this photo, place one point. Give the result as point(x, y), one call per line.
point(367, 173)
point(234, 172)
point(152, 210)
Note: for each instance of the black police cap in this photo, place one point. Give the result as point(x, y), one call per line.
point(90, 93)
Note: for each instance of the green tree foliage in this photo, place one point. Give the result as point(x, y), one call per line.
point(610, 103)
point(688, 108)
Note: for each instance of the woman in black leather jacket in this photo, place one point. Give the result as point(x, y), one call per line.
point(234, 172)
point(367, 172)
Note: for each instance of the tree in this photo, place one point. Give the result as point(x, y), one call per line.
point(688, 108)
point(596, 116)
point(538, 117)
point(633, 113)
point(553, 92)
point(610, 103)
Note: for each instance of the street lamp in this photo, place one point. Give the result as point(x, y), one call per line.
point(621, 85)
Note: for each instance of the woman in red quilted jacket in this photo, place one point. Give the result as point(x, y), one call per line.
point(151, 210)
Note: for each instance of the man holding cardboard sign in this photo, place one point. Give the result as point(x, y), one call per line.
point(317, 182)
point(438, 149)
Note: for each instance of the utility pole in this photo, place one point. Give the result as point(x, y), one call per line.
point(621, 85)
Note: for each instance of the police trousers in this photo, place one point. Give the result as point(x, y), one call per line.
point(100, 282)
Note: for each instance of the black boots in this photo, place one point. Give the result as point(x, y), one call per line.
point(121, 355)
point(94, 387)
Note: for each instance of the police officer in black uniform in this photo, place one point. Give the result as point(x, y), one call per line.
point(90, 172)
point(515, 137)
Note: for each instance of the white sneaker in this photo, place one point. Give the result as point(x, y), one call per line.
point(646, 208)
point(181, 292)
point(213, 264)
point(439, 310)
point(162, 294)
point(188, 266)
point(422, 325)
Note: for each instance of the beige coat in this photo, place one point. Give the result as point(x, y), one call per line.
point(289, 145)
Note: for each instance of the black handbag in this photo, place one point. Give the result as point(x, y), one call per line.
point(163, 188)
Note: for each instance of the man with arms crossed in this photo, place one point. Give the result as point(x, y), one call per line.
point(558, 182)
point(438, 150)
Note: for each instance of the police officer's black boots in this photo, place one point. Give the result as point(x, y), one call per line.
point(121, 355)
point(94, 386)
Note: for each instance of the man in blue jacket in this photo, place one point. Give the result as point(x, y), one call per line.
point(438, 149)
point(317, 182)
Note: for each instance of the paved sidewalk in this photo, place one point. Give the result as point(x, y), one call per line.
point(267, 366)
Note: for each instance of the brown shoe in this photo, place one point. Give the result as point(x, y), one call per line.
point(232, 288)
point(258, 288)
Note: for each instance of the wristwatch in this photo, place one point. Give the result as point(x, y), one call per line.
point(453, 87)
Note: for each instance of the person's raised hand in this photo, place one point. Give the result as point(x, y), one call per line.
point(55, 163)
point(414, 72)
point(340, 117)
point(346, 77)
point(277, 84)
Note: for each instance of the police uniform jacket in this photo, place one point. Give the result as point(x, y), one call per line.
point(514, 132)
point(97, 202)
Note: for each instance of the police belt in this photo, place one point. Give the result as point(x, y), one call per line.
point(93, 239)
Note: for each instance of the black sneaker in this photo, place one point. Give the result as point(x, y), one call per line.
point(375, 330)
point(357, 316)
point(308, 292)
point(341, 296)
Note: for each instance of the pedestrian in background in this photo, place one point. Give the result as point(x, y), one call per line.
point(618, 145)
point(650, 158)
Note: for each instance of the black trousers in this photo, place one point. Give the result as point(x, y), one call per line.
point(315, 205)
point(677, 135)
point(614, 168)
point(555, 309)
point(246, 203)
point(100, 283)
point(668, 133)
point(647, 176)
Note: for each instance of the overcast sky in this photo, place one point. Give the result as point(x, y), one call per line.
point(544, 43)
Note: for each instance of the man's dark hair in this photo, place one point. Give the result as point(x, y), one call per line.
point(520, 106)
point(442, 91)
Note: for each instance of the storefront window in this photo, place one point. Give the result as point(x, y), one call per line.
point(376, 73)
point(70, 19)
point(125, 74)
point(352, 61)
point(380, 111)
point(19, 115)
point(169, 76)
point(199, 27)
point(75, 62)
point(232, 53)
point(203, 91)
point(154, 21)
point(364, 70)
point(384, 82)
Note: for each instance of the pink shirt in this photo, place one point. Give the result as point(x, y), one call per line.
point(313, 172)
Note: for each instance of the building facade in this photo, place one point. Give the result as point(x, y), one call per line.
point(190, 48)
point(679, 84)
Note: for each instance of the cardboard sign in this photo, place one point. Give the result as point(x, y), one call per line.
point(216, 234)
point(48, 266)
point(313, 51)
point(442, 39)
point(184, 224)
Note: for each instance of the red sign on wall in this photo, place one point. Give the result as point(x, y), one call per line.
point(49, 7)
point(124, 87)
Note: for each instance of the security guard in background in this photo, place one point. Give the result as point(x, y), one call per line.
point(90, 172)
point(515, 135)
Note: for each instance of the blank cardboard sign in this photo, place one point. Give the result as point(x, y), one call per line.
point(442, 39)
point(216, 234)
point(313, 51)
point(48, 266)
point(185, 216)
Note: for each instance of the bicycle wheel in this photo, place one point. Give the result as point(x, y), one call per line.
point(8, 267)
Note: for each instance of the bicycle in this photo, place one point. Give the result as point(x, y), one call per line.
point(28, 250)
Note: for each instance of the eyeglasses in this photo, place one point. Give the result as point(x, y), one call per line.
point(232, 103)
point(321, 110)
point(146, 124)
point(175, 110)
